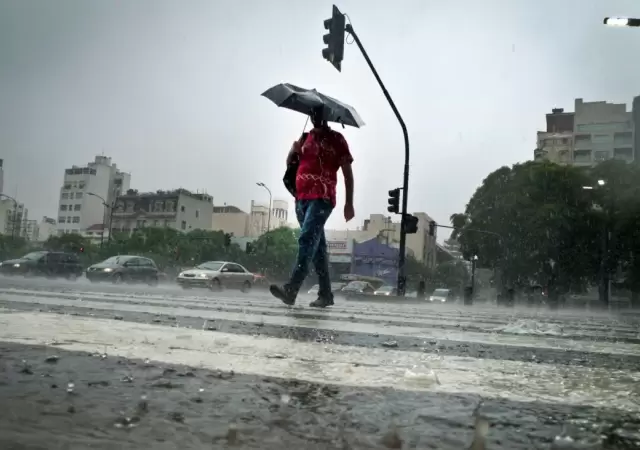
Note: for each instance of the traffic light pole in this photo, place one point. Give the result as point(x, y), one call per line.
point(405, 180)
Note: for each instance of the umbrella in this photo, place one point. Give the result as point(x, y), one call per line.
point(302, 100)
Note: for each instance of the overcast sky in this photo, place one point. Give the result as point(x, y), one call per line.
point(171, 90)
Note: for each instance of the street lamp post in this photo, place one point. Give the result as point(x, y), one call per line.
point(270, 202)
point(605, 282)
point(474, 262)
point(104, 202)
point(15, 213)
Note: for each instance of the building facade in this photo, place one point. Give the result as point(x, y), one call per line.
point(594, 132)
point(259, 222)
point(13, 217)
point(230, 219)
point(179, 209)
point(87, 194)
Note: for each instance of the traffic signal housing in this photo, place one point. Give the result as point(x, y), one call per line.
point(334, 40)
point(227, 239)
point(432, 228)
point(250, 248)
point(394, 201)
point(410, 224)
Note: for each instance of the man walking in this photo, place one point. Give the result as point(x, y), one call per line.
point(321, 153)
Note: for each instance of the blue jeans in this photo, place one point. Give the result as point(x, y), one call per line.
point(312, 246)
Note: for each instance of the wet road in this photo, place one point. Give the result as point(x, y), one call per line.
point(241, 369)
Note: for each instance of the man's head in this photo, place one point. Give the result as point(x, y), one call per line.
point(317, 117)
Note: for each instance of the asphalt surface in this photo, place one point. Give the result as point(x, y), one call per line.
point(130, 367)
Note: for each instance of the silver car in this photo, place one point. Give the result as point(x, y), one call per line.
point(217, 275)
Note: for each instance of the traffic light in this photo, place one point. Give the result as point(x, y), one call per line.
point(227, 239)
point(394, 201)
point(249, 248)
point(410, 224)
point(432, 228)
point(81, 249)
point(334, 52)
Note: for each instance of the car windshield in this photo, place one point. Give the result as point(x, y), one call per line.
point(356, 285)
point(34, 256)
point(210, 266)
point(441, 292)
point(386, 289)
point(117, 260)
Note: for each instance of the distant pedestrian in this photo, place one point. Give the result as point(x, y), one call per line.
point(321, 153)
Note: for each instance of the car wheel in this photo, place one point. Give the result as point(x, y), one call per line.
point(215, 285)
point(153, 281)
point(117, 278)
point(72, 277)
point(246, 287)
point(186, 287)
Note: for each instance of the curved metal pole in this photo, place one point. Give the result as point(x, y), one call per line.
point(15, 213)
point(270, 203)
point(104, 202)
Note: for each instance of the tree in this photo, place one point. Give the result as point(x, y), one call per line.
point(12, 247)
point(523, 218)
point(275, 252)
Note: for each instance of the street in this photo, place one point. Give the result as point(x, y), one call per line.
point(130, 367)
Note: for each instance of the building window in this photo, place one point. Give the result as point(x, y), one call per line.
point(67, 186)
point(77, 207)
point(61, 219)
point(182, 208)
point(81, 185)
point(197, 213)
point(155, 223)
point(183, 226)
point(601, 156)
point(76, 219)
point(68, 219)
point(65, 195)
point(63, 207)
point(78, 194)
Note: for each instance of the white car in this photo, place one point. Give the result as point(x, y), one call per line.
point(441, 296)
point(217, 275)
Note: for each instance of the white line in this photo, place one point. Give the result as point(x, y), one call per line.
point(411, 320)
point(324, 363)
point(431, 318)
point(342, 326)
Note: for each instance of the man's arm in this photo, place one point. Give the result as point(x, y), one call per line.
point(347, 172)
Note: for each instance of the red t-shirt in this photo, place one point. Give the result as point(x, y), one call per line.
point(322, 154)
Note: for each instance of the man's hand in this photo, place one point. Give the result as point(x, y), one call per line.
point(349, 213)
point(295, 150)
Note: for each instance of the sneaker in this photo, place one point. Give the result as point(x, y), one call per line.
point(281, 293)
point(321, 302)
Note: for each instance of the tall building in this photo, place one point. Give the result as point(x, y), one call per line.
point(12, 217)
point(230, 219)
point(179, 209)
point(88, 192)
point(595, 132)
point(46, 228)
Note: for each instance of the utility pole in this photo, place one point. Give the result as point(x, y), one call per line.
point(266, 241)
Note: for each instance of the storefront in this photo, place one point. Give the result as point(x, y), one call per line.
point(375, 259)
point(339, 257)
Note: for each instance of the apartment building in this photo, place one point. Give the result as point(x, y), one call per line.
point(87, 193)
point(254, 223)
point(179, 209)
point(419, 245)
point(13, 217)
point(594, 132)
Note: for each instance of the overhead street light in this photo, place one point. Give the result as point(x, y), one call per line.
point(621, 22)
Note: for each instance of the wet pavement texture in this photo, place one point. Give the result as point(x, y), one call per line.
point(85, 400)
point(100, 400)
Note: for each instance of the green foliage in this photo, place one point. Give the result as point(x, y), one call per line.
point(523, 217)
point(12, 247)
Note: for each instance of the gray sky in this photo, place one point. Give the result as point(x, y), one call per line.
point(171, 90)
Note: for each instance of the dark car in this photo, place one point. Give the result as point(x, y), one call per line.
point(44, 263)
point(125, 268)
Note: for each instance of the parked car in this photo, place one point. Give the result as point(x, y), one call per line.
point(355, 288)
point(217, 275)
point(125, 268)
point(44, 263)
point(335, 287)
point(386, 290)
point(441, 296)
